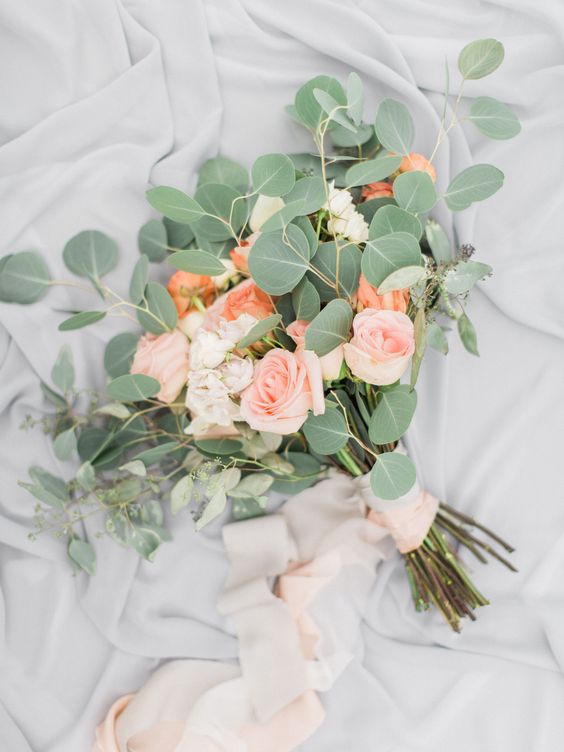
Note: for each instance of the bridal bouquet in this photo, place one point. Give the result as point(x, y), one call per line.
point(285, 343)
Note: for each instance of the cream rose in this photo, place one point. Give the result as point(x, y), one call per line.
point(382, 344)
point(164, 358)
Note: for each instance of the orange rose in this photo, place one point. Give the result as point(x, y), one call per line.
point(415, 161)
point(390, 301)
point(377, 190)
point(247, 298)
point(184, 286)
point(240, 254)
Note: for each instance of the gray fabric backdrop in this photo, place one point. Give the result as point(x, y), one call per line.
point(99, 97)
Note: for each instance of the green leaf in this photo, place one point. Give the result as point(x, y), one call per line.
point(394, 127)
point(461, 278)
point(52, 396)
point(393, 414)
point(144, 541)
point(175, 204)
point(330, 328)
point(42, 495)
point(390, 219)
point(493, 118)
point(65, 444)
point(436, 338)
point(278, 261)
point(372, 170)
point(282, 217)
point(407, 276)
point(177, 234)
point(160, 314)
point(119, 352)
point(91, 442)
point(325, 262)
point(355, 98)
point(467, 334)
point(197, 262)
point(133, 387)
point(273, 175)
point(91, 254)
point(306, 227)
point(415, 191)
point(181, 494)
point(420, 331)
point(347, 139)
point(247, 508)
point(86, 477)
point(152, 240)
point(392, 476)
point(156, 454)
point(80, 320)
point(251, 486)
point(225, 171)
point(330, 106)
point(229, 210)
point(308, 108)
point(218, 447)
point(24, 277)
point(62, 373)
point(139, 280)
point(438, 242)
point(475, 183)
point(135, 467)
point(327, 433)
point(259, 330)
point(305, 473)
point(83, 555)
point(306, 301)
point(50, 483)
point(369, 208)
point(480, 58)
point(309, 193)
point(386, 254)
point(213, 509)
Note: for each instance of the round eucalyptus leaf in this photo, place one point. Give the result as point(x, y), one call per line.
point(386, 254)
point(160, 314)
point(333, 109)
point(306, 473)
point(306, 227)
point(306, 105)
point(369, 208)
point(475, 183)
point(436, 338)
point(282, 217)
point(390, 219)
point(225, 171)
point(24, 277)
point(310, 193)
point(325, 262)
point(51, 483)
point(330, 328)
point(259, 330)
point(461, 278)
point(65, 444)
point(394, 127)
point(119, 352)
point(90, 254)
point(438, 242)
point(197, 262)
point(177, 234)
point(278, 260)
point(493, 118)
point(401, 279)
point(219, 447)
point(467, 334)
point(62, 373)
point(480, 58)
point(175, 204)
point(83, 555)
point(372, 170)
point(273, 175)
point(355, 97)
point(392, 476)
point(139, 279)
point(327, 433)
point(228, 207)
point(152, 240)
point(80, 320)
point(415, 191)
point(393, 414)
point(132, 387)
point(347, 139)
point(306, 301)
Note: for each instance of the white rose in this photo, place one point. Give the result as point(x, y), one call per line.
point(237, 373)
point(221, 280)
point(190, 324)
point(237, 329)
point(356, 229)
point(339, 201)
point(208, 350)
point(263, 209)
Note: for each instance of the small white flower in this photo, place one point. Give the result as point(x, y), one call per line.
point(237, 374)
point(190, 324)
point(345, 220)
point(208, 350)
point(263, 209)
point(356, 229)
point(339, 200)
point(221, 280)
point(237, 329)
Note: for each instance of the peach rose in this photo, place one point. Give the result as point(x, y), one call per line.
point(285, 387)
point(415, 161)
point(330, 363)
point(247, 298)
point(390, 301)
point(377, 190)
point(240, 254)
point(382, 344)
point(183, 287)
point(165, 358)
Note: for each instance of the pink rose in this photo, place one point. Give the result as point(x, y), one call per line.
point(330, 363)
point(415, 161)
point(382, 344)
point(286, 386)
point(165, 358)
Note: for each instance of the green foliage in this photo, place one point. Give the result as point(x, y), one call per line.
point(197, 262)
point(394, 127)
point(119, 353)
point(305, 300)
point(54, 485)
point(393, 414)
point(80, 320)
point(91, 254)
point(308, 109)
point(24, 277)
point(415, 191)
point(325, 262)
point(177, 235)
point(372, 170)
point(334, 110)
point(462, 277)
point(355, 98)
point(225, 171)
point(62, 373)
point(480, 58)
point(401, 279)
point(175, 204)
point(326, 433)
point(436, 338)
point(219, 447)
point(273, 175)
point(305, 472)
point(83, 555)
point(152, 240)
point(386, 254)
point(225, 211)
point(330, 328)
point(467, 334)
point(475, 183)
point(390, 219)
point(65, 444)
point(392, 476)
point(493, 118)
point(260, 330)
point(139, 280)
point(438, 242)
point(309, 195)
point(181, 493)
point(160, 314)
point(278, 260)
point(133, 387)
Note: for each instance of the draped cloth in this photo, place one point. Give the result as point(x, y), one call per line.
point(103, 97)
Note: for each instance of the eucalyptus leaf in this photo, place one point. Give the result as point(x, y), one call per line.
point(152, 240)
point(219, 447)
point(436, 338)
point(259, 330)
point(119, 352)
point(393, 414)
point(462, 277)
point(493, 118)
point(86, 476)
point(369, 208)
point(278, 260)
point(62, 373)
point(175, 204)
point(438, 242)
point(133, 387)
point(65, 444)
point(177, 235)
point(325, 262)
point(24, 277)
point(135, 467)
point(139, 279)
point(91, 254)
point(480, 58)
point(330, 328)
point(83, 555)
point(226, 211)
point(372, 170)
point(415, 191)
point(334, 110)
point(394, 127)
point(156, 454)
point(475, 183)
point(467, 334)
point(197, 262)
point(144, 541)
point(80, 320)
point(306, 470)
point(355, 98)
point(282, 217)
point(181, 493)
point(51, 483)
point(392, 476)
point(225, 171)
point(310, 193)
point(387, 254)
point(347, 139)
point(308, 108)
point(306, 300)
point(51, 396)
point(160, 314)
point(273, 175)
point(213, 509)
point(255, 484)
point(420, 332)
point(42, 494)
point(407, 276)
point(390, 219)
point(326, 433)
